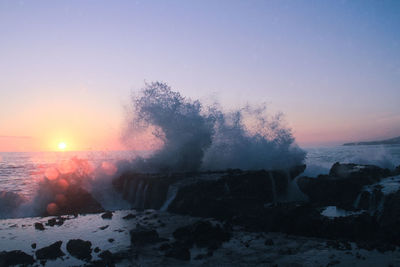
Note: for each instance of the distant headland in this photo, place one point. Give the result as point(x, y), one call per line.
point(392, 141)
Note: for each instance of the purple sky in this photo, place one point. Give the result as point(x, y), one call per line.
point(68, 67)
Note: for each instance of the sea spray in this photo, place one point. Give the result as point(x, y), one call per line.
point(198, 137)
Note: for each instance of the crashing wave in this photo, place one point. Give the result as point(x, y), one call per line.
point(199, 137)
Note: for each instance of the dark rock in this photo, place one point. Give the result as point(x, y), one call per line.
point(33, 245)
point(338, 245)
point(50, 252)
point(56, 221)
point(103, 227)
point(80, 249)
point(202, 234)
point(256, 185)
point(75, 200)
point(231, 195)
point(129, 216)
point(178, 251)
point(96, 250)
point(396, 171)
point(98, 263)
point(107, 257)
point(107, 215)
point(269, 242)
point(39, 226)
point(370, 173)
point(15, 257)
point(111, 240)
point(296, 171)
point(143, 236)
point(343, 184)
point(164, 247)
point(157, 188)
point(203, 256)
point(389, 220)
point(122, 255)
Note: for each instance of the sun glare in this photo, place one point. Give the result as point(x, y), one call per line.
point(62, 146)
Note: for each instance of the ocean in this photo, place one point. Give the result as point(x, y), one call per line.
point(21, 172)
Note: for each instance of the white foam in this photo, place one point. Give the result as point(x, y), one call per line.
point(334, 212)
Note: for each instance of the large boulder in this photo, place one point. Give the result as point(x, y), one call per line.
point(233, 194)
point(343, 184)
point(151, 191)
point(367, 174)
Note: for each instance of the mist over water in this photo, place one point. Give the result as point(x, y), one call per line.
point(195, 136)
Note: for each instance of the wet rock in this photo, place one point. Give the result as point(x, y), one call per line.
point(107, 257)
point(50, 252)
point(15, 257)
point(129, 216)
point(143, 236)
point(389, 220)
point(369, 173)
point(164, 247)
point(153, 189)
point(96, 250)
point(107, 215)
point(234, 193)
point(178, 251)
point(338, 245)
point(396, 171)
point(75, 200)
point(343, 184)
point(33, 245)
point(269, 242)
point(202, 234)
point(39, 226)
point(56, 221)
point(80, 249)
point(122, 255)
point(131, 184)
point(110, 240)
point(103, 227)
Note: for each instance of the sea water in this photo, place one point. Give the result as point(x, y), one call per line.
point(20, 172)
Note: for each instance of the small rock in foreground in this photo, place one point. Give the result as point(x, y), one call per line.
point(50, 252)
point(80, 249)
point(39, 226)
point(107, 215)
point(143, 236)
point(179, 252)
point(15, 257)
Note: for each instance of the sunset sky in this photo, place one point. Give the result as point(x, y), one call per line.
point(67, 68)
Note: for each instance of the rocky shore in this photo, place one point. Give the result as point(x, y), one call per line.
point(233, 217)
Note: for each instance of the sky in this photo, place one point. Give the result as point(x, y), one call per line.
point(67, 68)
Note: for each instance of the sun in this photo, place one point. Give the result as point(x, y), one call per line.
point(62, 145)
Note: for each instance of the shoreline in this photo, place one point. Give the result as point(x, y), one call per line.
point(243, 249)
